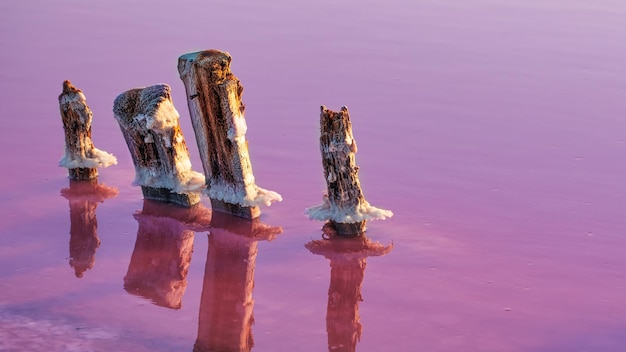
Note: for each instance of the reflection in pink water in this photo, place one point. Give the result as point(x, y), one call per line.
point(493, 130)
point(84, 197)
point(159, 264)
point(226, 307)
point(348, 257)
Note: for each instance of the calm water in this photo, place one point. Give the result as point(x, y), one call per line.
point(494, 130)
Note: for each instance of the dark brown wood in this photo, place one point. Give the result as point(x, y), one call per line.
point(166, 195)
point(344, 204)
point(81, 157)
point(349, 228)
point(217, 114)
point(83, 173)
point(149, 123)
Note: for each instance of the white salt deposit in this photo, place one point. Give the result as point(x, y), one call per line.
point(363, 211)
point(165, 117)
point(183, 181)
point(94, 159)
point(73, 97)
point(249, 196)
point(237, 127)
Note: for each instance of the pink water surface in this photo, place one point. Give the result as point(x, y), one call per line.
point(495, 131)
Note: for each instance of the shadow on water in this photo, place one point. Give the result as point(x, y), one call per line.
point(226, 306)
point(348, 256)
point(160, 261)
point(84, 197)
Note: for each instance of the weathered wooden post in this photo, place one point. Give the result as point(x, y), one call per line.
point(149, 123)
point(84, 197)
point(344, 205)
point(81, 157)
point(217, 114)
point(226, 305)
point(160, 261)
point(347, 270)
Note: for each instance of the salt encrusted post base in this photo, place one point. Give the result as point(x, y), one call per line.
point(149, 123)
point(344, 205)
point(235, 209)
point(81, 157)
point(166, 195)
point(83, 173)
point(217, 114)
point(349, 228)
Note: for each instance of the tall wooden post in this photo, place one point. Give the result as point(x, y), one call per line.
point(160, 261)
point(226, 305)
point(84, 197)
point(149, 123)
point(217, 114)
point(81, 157)
point(344, 205)
point(347, 262)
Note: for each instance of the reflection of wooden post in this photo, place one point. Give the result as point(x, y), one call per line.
point(149, 123)
point(81, 158)
point(226, 306)
point(344, 205)
point(214, 99)
point(84, 197)
point(160, 262)
point(347, 262)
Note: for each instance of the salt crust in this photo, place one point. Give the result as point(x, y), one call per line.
point(96, 158)
point(251, 195)
point(361, 212)
point(237, 127)
point(73, 97)
point(184, 181)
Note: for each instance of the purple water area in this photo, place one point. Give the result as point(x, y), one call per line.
point(494, 130)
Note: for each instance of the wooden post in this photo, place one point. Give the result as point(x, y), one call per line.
point(347, 262)
point(217, 114)
point(160, 261)
point(149, 123)
point(226, 305)
point(344, 204)
point(84, 197)
point(81, 157)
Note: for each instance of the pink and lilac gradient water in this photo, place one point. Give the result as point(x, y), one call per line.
point(495, 132)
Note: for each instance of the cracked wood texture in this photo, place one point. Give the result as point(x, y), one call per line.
point(214, 100)
point(149, 123)
point(338, 149)
point(77, 118)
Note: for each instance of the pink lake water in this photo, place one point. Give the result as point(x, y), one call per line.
point(495, 131)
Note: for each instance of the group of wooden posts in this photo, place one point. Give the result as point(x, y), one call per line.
point(149, 123)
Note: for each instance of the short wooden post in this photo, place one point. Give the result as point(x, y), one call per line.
point(344, 205)
point(160, 262)
point(81, 157)
point(149, 123)
point(84, 197)
point(217, 114)
point(226, 305)
point(347, 271)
